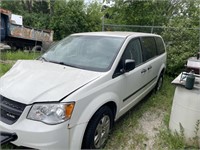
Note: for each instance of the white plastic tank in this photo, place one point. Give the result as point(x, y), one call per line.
point(186, 109)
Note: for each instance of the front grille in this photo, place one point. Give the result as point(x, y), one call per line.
point(10, 110)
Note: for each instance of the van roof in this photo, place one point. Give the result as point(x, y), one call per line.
point(116, 34)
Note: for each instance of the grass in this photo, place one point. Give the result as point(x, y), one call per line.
point(8, 58)
point(10, 55)
point(4, 68)
point(126, 133)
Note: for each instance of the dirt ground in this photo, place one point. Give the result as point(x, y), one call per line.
point(148, 128)
point(149, 125)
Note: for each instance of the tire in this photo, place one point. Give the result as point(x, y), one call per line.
point(98, 129)
point(37, 48)
point(159, 83)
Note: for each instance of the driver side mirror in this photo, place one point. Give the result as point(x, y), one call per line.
point(129, 65)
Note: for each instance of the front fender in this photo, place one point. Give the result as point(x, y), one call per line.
point(90, 107)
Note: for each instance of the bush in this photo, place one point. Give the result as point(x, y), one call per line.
point(182, 43)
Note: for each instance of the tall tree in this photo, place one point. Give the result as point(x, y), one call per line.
point(93, 17)
point(41, 6)
point(68, 17)
point(134, 12)
point(14, 6)
point(28, 5)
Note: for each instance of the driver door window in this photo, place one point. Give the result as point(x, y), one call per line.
point(133, 51)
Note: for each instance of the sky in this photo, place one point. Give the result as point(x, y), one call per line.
point(88, 1)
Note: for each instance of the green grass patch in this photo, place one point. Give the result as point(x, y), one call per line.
point(10, 55)
point(8, 58)
point(4, 68)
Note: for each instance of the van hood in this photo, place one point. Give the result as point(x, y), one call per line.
point(30, 81)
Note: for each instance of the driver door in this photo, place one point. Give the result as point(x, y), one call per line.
point(130, 84)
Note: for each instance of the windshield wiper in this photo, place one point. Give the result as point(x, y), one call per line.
point(62, 63)
point(57, 62)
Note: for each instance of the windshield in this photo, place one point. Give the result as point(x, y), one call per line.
point(86, 52)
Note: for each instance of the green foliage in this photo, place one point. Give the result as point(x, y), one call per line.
point(41, 7)
point(13, 6)
point(182, 36)
point(37, 20)
point(93, 17)
point(68, 17)
point(151, 12)
point(73, 16)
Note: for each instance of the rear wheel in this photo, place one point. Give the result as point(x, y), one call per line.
point(159, 83)
point(98, 129)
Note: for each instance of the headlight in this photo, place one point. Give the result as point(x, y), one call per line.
point(51, 113)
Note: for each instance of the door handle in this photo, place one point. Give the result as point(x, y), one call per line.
point(150, 67)
point(143, 71)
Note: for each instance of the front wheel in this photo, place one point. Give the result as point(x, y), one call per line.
point(98, 129)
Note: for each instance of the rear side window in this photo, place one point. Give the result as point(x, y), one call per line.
point(160, 45)
point(149, 48)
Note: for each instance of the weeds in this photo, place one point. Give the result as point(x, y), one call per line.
point(169, 140)
point(196, 139)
